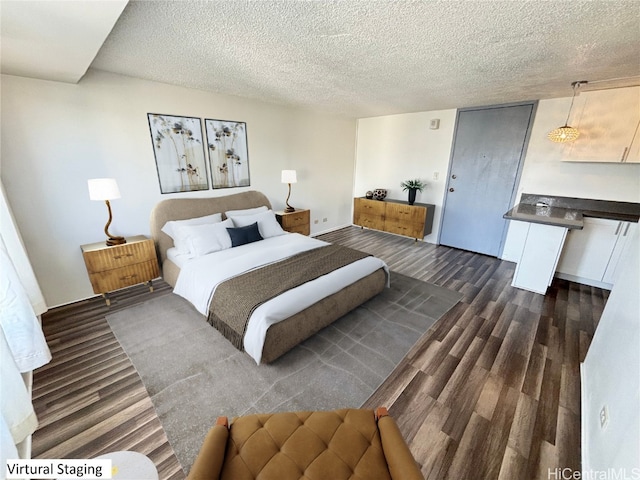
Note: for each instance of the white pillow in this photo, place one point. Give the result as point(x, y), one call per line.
point(267, 223)
point(168, 227)
point(246, 211)
point(171, 228)
point(207, 238)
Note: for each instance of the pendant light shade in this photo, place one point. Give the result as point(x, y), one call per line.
point(567, 133)
point(563, 134)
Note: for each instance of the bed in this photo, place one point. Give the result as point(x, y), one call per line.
point(337, 296)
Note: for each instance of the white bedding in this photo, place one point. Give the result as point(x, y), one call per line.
point(199, 277)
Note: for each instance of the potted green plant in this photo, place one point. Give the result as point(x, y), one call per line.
point(413, 186)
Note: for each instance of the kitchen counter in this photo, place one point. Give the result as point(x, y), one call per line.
point(546, 221)
point(556, 216)
point(569, 212)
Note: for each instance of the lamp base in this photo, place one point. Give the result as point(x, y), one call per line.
point(116, 241)
point(289, 209)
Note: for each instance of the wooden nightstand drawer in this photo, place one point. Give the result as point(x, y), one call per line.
point(99, 257)
point(295, 222)
point(122, 277)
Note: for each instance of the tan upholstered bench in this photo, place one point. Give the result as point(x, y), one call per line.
point(332, 445)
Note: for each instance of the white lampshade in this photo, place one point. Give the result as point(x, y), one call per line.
point(103, 189)
point(289, 176)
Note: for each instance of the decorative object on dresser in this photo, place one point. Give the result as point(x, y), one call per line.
point(380, 193)
point(106, 189)
point(413, 186)
point(369, 195)
point(120, 266)
point(567, 133)
point(289, 177)
point(394, 216)
point(179, 153)
point(228, 153)
point(295, 222)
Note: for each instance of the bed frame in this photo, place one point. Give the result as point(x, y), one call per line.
point(284, 335)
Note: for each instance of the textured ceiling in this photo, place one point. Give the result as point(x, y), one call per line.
point(367, 58)
point(363, 58)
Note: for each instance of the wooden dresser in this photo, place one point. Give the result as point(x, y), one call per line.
point(394, 216)
point(295, 222)
point(120, 266)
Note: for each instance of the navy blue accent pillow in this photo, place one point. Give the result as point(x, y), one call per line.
point(241, 235)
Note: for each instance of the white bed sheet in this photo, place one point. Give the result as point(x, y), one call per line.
point(180, 259)
point(199, 277)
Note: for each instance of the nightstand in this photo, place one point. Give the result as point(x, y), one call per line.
point(120, 266)
point(295, 222)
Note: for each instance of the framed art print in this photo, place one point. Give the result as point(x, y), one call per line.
point(179, 153)
point(228, 153)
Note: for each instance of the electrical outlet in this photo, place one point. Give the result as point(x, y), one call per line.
point(324, 219)
point(315, 221)
point(604, 417)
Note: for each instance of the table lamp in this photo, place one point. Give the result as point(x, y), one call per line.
point(289, 177)
point(106, 189)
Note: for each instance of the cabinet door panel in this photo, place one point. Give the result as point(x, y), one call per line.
point(625, 234)
point(607, 121)
point(586, 252)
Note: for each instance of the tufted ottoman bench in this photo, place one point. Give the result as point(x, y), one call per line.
point(332, 445)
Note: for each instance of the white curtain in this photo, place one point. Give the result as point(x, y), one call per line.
point(22, 344)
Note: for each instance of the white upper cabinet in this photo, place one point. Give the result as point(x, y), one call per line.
point(608, 122)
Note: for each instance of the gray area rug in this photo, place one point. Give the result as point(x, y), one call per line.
point(193, 374)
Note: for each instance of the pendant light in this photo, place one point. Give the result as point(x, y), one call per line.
point(567, 133)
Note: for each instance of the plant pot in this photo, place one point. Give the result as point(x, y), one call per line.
point(412, 195)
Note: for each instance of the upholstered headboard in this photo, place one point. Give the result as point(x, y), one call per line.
point(183, 208)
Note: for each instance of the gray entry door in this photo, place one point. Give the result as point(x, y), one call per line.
point(488, 148)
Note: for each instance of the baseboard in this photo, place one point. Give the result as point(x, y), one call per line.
point(584, 281)
point(329, 230)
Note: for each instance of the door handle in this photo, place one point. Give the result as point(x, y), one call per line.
point(451, 189)
point(626, 230)
point(454, 176)
point(618, 229)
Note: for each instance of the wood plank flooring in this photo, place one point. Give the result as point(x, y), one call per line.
point(491, 392)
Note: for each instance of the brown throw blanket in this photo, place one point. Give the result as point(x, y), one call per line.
point(234, 300)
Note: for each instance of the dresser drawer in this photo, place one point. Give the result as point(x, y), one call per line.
point(414, 230)
point(364, 206)
point(369, 221)
point(101, 259)
point(122, 277)
point(405, 213)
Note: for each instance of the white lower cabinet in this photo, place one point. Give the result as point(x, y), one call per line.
point(539, 257)
point(591, 255)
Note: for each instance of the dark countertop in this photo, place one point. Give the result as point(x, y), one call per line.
point(569, 212)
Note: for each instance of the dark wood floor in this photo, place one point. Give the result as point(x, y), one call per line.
point(491, 392)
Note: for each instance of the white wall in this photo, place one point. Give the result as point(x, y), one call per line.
point(394, 148)
point(611, 377)
point(55, 136)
